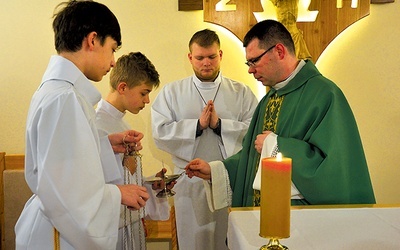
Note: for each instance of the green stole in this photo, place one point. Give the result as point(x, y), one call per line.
point(270, 121)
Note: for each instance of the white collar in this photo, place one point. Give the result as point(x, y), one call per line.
point(282, 84)
point(209, 85)
point(110, 109)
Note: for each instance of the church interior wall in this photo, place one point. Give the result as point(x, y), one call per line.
point(363, 60)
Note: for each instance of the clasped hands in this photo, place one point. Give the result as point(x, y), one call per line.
point(209, 116)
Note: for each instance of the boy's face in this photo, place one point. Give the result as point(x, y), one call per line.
point(103, 59)
point(137, 97)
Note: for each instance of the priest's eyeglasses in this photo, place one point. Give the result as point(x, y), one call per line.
point(252, 62)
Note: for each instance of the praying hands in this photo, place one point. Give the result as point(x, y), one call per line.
point(209, 116)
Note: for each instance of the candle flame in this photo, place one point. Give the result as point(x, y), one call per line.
point(279, 157)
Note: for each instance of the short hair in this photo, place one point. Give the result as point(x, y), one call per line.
point(77, 19)
point(269, 33)
point(134, 69)
point(205, 38)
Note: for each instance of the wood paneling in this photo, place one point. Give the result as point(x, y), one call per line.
point(185, 5)
point(329, 23)
point(238, 21)
point(163, 230)
point(382, 1)
point(7, 163)
point(317, 35)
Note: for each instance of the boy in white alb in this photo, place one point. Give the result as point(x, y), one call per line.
point(132, 79)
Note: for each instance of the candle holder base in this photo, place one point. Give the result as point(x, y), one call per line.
point(274, 244)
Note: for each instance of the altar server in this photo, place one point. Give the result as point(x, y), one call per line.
point(131, 81)
point(204, 115)
point(72, 207)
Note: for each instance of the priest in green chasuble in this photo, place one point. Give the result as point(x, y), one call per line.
point(306, 117)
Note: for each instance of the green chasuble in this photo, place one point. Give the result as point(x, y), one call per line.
point(317, 129)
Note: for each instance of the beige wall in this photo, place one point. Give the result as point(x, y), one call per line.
point(364, 63)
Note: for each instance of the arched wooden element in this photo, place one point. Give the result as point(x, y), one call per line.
point(238, 21)
point(329, 23)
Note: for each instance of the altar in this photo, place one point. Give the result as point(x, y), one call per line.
point(322, 227)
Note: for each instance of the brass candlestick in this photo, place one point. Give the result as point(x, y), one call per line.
point(273, 244)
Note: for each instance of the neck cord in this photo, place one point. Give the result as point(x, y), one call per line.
point(127, 236)
point(127, 213)
point(219, 85)
point(139, 181)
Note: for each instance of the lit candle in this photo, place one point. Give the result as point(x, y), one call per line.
point(276, 176)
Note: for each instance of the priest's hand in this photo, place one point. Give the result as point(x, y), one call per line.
point(199, 168)
point(129, 139)
point(258, 143)
point(133, 196)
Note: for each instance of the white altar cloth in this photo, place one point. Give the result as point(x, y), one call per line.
point(333, 228)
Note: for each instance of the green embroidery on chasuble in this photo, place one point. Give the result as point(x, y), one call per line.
point(270, 120)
